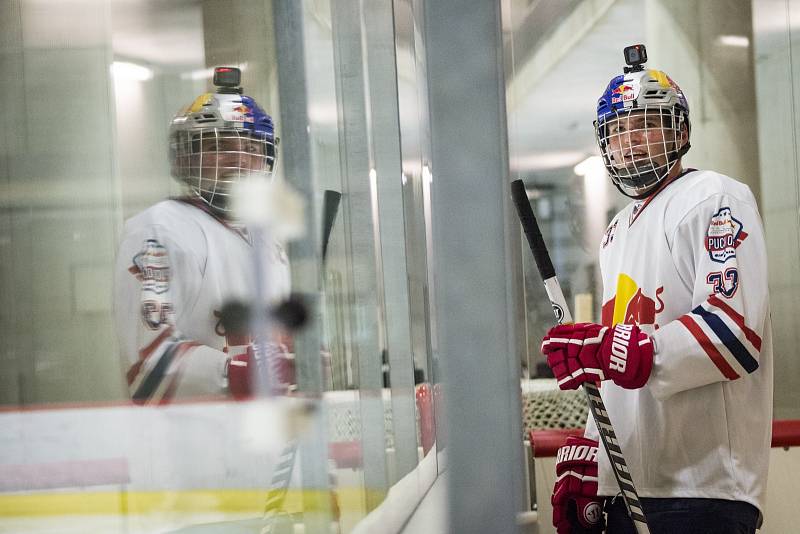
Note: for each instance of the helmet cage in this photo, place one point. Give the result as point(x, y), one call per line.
point(210, 160)
point(640, 146)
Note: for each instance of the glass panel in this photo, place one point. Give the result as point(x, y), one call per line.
point(96, 87)
point(776, 42)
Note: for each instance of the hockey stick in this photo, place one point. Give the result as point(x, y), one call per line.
point(330, 208)
point(281, 477)
point(563, 316)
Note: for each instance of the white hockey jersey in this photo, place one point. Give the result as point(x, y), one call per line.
point(691, 262)
point(176, 266)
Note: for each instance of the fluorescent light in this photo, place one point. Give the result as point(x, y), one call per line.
point(198, 74)
point(123, 70)
point(593, 165)
point(540, 161)
point(739, 41)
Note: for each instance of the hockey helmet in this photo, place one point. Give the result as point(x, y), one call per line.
point(642, 128)
point(219, 139)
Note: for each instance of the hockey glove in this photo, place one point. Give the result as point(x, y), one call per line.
point(240, 381)
point(588, 352)
point(243, 363)
point(576, 507)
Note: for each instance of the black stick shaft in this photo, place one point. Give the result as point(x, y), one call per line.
point(330, 207)
point(561, 310)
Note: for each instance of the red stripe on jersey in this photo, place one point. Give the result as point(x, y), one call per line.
point(148, 350)
point(751, 336)
point(709, 347)
point(133, 370)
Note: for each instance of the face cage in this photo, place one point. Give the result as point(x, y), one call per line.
point(211, 160)
point(640, 147)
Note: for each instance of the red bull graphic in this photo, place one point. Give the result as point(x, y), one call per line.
point(239, 113)
point(621, 93)
point(630, 305)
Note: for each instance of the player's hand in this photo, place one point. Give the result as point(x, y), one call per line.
point(588, 352)
point(576, 507)
point(243, 363)
point(240, 379)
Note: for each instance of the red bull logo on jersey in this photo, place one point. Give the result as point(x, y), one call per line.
point(725, 233)
point(630, 305)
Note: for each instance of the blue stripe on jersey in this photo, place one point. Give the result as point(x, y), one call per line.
point(727, 337)
point(150, 384)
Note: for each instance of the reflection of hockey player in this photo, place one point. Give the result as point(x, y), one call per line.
point(688, 379)
point(181, 260)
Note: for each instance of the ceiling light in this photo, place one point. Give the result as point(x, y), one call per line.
point(739, 41)
point(123, 70)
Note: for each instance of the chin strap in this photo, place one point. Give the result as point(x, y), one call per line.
point(684, 149)
point(681, 152)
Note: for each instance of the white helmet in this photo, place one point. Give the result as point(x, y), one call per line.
point(219, 139)
point(641, 119)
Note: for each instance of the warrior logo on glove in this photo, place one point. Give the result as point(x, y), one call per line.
point(588, 352)
point(575, 493)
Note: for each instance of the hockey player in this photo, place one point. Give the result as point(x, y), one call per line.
point(684, 350)
point(181, 260)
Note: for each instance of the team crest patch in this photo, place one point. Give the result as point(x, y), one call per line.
point(725, 233)
point(637, 207)
point(151, 267)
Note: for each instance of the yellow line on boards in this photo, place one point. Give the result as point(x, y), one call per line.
point(181, 501)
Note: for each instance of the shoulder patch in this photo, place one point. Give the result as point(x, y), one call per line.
point(151, 267)
point(725, 233)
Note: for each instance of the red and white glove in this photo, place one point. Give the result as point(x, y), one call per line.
point(240, 381)
point(588, 352)
point(241, 367)
point(575, 493)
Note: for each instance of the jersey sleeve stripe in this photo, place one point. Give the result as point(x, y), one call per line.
point(150, 383)
point(167, 386)
point(727, 337)
point(751, 336)
point(148, 350)
point(134, 370)
point(724, 367)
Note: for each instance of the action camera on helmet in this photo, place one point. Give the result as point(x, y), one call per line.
point(635, 56)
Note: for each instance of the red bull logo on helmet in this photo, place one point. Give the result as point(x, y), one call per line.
point(630, 305)
point(622, 93)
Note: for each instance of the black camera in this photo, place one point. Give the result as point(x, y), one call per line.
point(635, 56)
point(228, 79)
